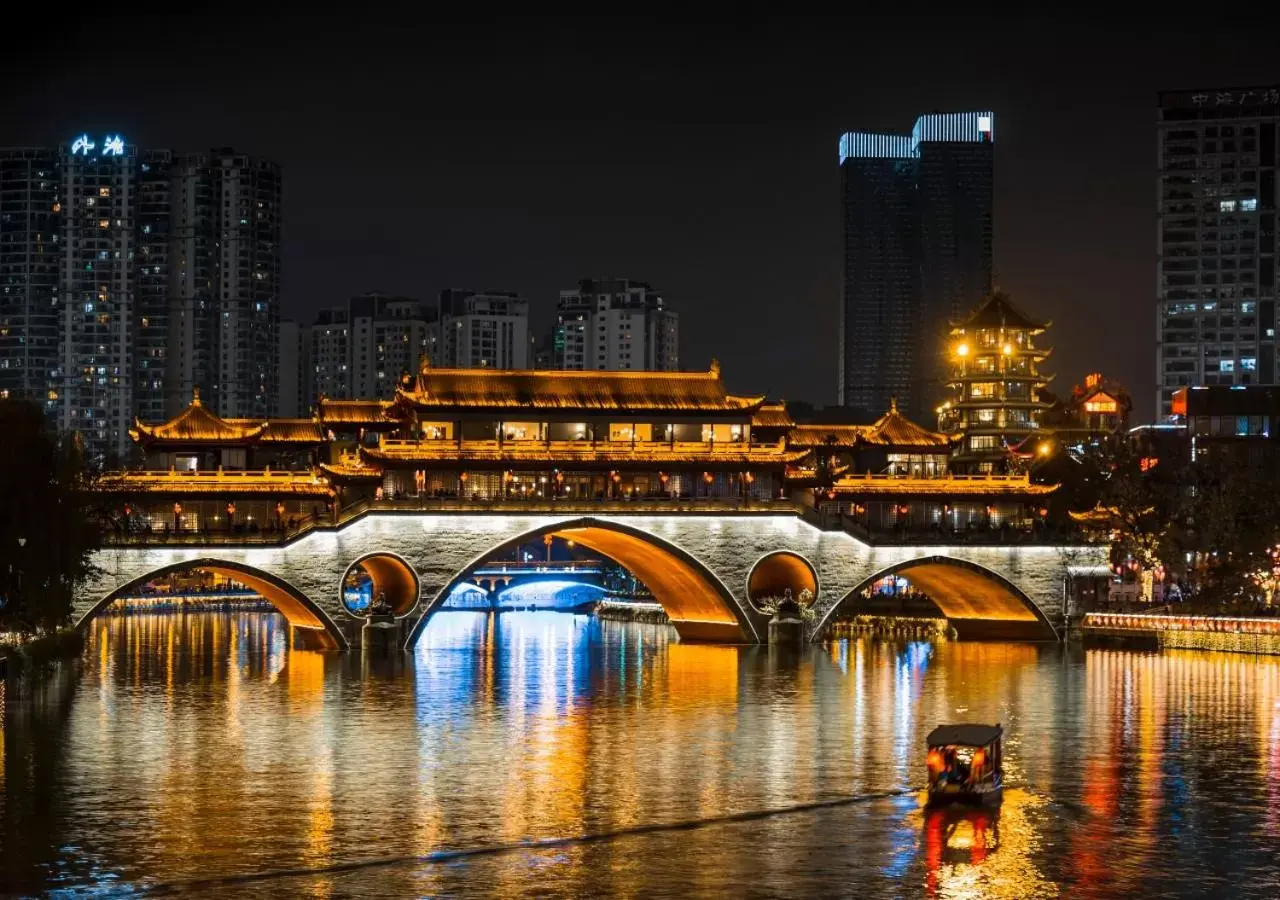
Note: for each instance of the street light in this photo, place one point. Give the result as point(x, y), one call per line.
point(962, 350)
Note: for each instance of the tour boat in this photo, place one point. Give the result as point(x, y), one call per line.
point(965, 764)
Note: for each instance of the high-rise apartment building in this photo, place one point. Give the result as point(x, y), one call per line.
point(483, 330)
point(226, 301)
point(1216, 243)
point(389, 335)
point(97, 286)
point(615, 324)
point(129, 277)
point(360, 349)
point(30, 272)
point(917, 254)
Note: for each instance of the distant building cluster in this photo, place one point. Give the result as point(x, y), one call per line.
point(366, 347)
point(130, 276)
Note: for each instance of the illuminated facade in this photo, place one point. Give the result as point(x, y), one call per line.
point(30, 248)
point(223, 330)
point(615, 324)
point(482, 330)
point(129, 276)
point(1216, 242)
point(465, 438)
point(995, 384)
point(917, 253)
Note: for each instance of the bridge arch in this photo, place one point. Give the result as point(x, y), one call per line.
point(700, 606)
point(977, 601)
point(313, 623)
point(391, 575)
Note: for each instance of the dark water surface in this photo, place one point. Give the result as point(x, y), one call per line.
point(200, 754)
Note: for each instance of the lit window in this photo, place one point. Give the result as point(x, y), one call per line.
point(1249, 204)
point(1249, 364)
point(1226, 206)
point(1226, 365)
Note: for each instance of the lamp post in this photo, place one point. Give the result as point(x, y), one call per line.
point(231, 517)
point(177, 517)
point(548, 540)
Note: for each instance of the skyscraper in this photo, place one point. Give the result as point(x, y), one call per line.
point(225, 306)
point(129, 277)
point(917, 254)
point(617, 324)
point(1216, 244)
point(97, 291)
point(30, 268)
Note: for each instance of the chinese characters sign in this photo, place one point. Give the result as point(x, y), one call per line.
point(112, 145)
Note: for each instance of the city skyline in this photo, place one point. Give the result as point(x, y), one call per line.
point(721, 190)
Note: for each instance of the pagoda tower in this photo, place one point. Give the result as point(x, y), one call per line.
point(995, 385)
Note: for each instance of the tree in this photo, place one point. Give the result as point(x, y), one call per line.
point(47, 537)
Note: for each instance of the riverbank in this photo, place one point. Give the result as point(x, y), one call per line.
point(1224, 634)
point(39, 652)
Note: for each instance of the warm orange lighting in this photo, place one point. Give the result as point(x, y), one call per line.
point(1045, 449)
point(1008, 349)
point(979, 757)
point(707, 477)
point(1101, 403)
point(936, 761)
point(697, 605)
point(962, 350)
point(462, 476)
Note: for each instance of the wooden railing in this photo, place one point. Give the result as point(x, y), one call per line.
point(569, 450)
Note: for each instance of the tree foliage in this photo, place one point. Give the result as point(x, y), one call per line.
point(1211, 522)
point(47, 536)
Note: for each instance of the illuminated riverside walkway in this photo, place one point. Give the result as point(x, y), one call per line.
point(709, 571)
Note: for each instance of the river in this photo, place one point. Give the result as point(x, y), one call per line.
point(199, 753)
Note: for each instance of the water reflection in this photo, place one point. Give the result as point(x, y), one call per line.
point(188, 747)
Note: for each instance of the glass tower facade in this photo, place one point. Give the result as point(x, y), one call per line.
point(917, 255)
point(1216, 241)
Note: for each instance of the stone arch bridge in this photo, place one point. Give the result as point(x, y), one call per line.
point(698, 566)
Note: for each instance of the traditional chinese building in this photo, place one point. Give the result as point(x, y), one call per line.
point(486, 434)
point(995, 385)
point(455, 437)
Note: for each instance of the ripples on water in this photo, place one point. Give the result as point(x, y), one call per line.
point(198, 747)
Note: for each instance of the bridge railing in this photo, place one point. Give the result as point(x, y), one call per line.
point(564, 505)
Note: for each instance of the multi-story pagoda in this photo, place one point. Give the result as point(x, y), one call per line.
point(995, 385)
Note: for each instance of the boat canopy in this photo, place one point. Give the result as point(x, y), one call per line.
point(964, 735)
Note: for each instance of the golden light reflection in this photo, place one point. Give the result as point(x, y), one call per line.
point(698, 607)
point(982, 854)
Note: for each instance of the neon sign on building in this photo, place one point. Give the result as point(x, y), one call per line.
point(112, 145)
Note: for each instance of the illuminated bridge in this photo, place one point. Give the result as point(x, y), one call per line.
point(709, 572)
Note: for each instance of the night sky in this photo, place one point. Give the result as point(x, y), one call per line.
point(526, 154)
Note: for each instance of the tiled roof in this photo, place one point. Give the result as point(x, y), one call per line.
point(588, 391)
point(352, 470)
point(893, 429)
point(195, 424)
point(825, 435)
point(772, 415)
point(997, 310)
point(356, 412)
point(285, 431)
